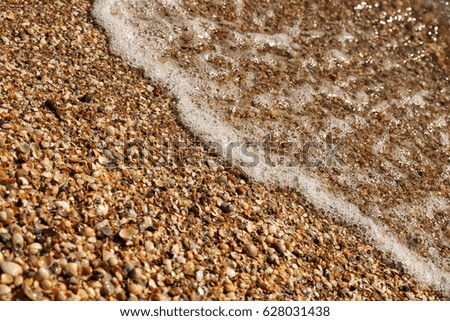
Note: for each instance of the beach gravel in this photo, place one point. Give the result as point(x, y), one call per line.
point(95, 205)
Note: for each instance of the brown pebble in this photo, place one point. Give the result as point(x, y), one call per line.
point(227, 208)
point(4, 289)
point(250, 249)
point(134, 288)
point(280, 247)
point(87, 98)
point(50, 104)
point(229, 288)
point(174, 292)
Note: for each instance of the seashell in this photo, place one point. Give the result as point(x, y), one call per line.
point(62, 205)
point(17, 240)
point(127, 234)
point(24, 148)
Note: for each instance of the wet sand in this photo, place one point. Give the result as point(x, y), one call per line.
point(99, 201)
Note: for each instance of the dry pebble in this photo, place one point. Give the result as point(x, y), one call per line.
point(250, 249)
point(4, 289)
point(280, 247)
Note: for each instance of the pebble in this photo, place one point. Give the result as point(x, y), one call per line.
point(272, 229)
point(87, 98)
point(227, 208)
point(134, 288)
point(250, 249)
point(6, 278)
point(199, 275)
point(63, 205)
point(4, 289)
point(110, 131)
point(230, 272)
point(280, 247)
point(229, 288)
point(43, 273)
point(11, 268)
point(72, 268)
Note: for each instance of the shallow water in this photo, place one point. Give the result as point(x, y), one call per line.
point(347, 103)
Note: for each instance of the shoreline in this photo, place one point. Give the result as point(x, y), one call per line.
point(78, 226)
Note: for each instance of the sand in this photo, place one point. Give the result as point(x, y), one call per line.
point(105, 196)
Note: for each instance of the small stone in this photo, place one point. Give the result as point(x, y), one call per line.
point(5, 278)
point(231, 272)
point(113, 261)
point(199, 275)
point(250, 249)
point(43, 274)
point(272, 229)
point(102, 209)
point(87, 98)
point(11, 268)
point(89, 231)
point(72, 269)
point(4, 289)
point(211, 164)
point(174, 291)
point(229, 288)
point(34, 248)
point(280, 247)
point(223, 179)
point(134, 288)
point(46, 285)
point(227, 208)
point(62, 205)
point(409, 295)
point(3, 176)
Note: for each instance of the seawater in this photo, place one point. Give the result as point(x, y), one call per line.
point(348, 103)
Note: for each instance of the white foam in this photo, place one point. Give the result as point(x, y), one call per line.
point(145, 52)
